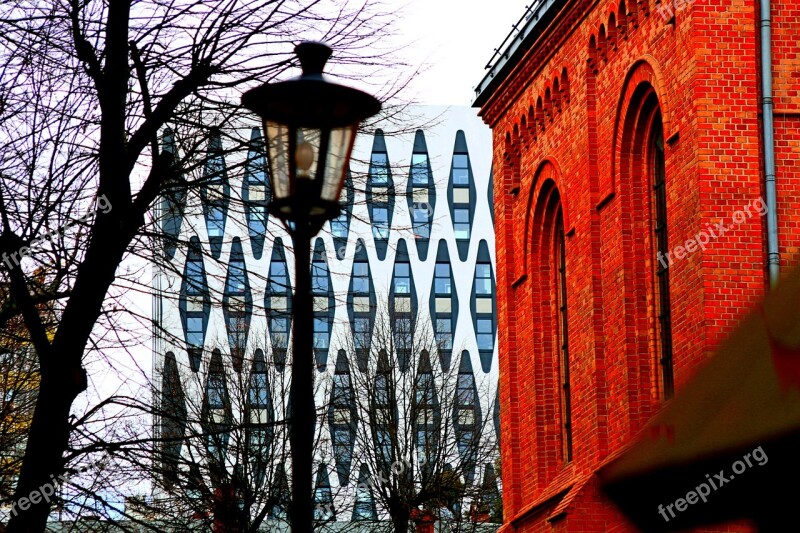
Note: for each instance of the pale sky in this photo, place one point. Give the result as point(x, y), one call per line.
point(456, 38)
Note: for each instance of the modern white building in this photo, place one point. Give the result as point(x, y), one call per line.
point(411, 257)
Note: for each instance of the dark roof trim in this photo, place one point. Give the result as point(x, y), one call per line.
point(506, 56)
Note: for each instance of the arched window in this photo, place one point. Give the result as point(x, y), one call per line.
point(562, 332)
point(612, 31)
point(659, 214)
point(641, 160)
point(551, 342)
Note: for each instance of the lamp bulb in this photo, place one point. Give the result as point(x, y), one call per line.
point(304, 156)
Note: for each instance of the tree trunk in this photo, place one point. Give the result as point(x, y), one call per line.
point(400, 521)
point(47, 441)
point(63, 378)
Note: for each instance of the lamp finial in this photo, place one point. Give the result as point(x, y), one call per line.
point(313, 56)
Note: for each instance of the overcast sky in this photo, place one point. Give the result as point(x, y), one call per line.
point(456, 38)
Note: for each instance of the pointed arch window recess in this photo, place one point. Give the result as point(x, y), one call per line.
point(562, 335)
point(664, 317)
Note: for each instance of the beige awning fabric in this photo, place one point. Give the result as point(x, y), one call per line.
point(747, 396)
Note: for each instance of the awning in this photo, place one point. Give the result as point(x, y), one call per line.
point(734, 428)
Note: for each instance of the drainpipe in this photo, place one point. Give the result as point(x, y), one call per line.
point(773, 256)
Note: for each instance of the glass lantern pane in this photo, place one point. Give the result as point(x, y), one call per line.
point(307, 152)
point(339, 147)
point(277, 154)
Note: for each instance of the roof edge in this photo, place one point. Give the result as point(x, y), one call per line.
point(534, 21)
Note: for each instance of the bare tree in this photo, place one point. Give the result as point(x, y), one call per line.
point(421, 435)
point(222, 453)
point(86, 87)
point(216, 459)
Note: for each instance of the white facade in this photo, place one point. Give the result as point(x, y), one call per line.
point(470, 304)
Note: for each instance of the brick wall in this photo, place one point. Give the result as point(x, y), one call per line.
point(567, 113)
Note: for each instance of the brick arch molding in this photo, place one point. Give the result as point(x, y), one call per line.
point(548, 170)
point(645, 70)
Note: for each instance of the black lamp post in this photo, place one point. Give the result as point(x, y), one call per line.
point(310, 125)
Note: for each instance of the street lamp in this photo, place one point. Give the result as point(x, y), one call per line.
point(310, 125)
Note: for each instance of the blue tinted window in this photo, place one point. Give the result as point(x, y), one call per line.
point(384, 444)
point(341, 443)
point(380, 223)
point(361, 325)
point(425, 396)
point(216, 225)
point(461, 223)
point(216, 390)
point(319, 278)
point(402, 278)
point(442, 284)
point(194, 274)
point(279, 330)
point(360, 278)
point(362, 330)
point(236, 280)
point(321, 333)
point(322, 496)
point(279, 325)
point(419, 169)
point(339, 226)
point(483, 279)
point(278, 279)
point(460, 169)
point(257, 220)
point(194, 331)
point(444, 333)
point(379, 168)
point(485, 334)
point(258, 394)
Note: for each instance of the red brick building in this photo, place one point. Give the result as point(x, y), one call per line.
point(631, 235)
